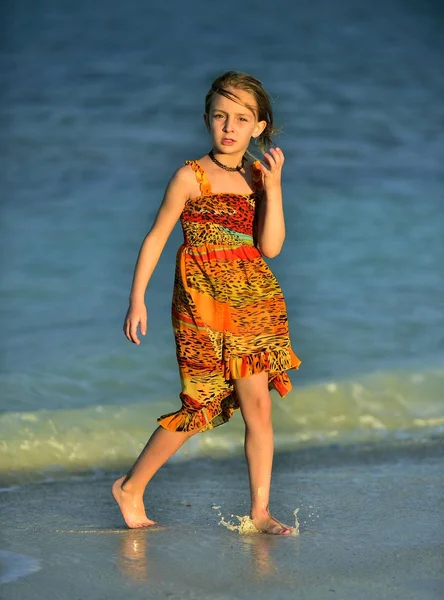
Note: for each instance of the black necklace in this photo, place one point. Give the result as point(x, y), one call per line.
point(222, 166)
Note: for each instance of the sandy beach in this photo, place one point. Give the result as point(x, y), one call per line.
point(370, 521)
point(101, 103)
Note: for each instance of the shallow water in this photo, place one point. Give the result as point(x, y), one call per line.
point(100, 103)
point(100, 106)
point(370, 527)
point(383, 407)
point(16, 566)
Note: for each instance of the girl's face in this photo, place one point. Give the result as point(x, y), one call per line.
point(231, 124)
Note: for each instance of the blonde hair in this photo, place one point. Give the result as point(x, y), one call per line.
point(247, 83)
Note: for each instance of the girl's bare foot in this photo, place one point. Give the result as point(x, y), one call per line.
point(131, 506)
point(265, 523)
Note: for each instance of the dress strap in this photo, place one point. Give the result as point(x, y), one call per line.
point(256, 178)
point(201, 177)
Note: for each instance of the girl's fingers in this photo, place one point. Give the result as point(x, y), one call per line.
point(132, 323)
point(270, 159)
point(278, 156)
point(126, 327)
point(130, 330)
point(263, 169)
point(274, 158)
point(133, 331)
point(143, 326)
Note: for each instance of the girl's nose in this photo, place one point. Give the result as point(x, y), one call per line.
point(228, 125)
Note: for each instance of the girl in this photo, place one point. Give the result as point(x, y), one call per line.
point(228, 312)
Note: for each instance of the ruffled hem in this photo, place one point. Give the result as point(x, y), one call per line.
point(196, 417)
point(274, 362)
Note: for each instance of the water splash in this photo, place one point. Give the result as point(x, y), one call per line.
point(246, 526)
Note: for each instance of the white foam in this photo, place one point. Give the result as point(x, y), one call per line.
point(373, 407)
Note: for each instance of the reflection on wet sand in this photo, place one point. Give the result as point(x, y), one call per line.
point(259, 547)
point(132, 558)
point(140, 554)
point(264, 551)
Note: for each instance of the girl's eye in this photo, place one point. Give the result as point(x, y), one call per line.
point(218, 116)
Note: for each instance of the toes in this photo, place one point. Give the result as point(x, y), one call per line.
point(287, 530)
point(282, 531)
point(276, 528)
point(141, 524)
point(136, 525)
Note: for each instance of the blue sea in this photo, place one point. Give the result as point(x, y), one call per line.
point(101, 102)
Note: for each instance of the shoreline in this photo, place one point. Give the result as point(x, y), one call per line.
point(370, 528)
point(307, 455)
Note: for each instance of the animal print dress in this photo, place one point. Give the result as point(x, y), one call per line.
point(228, 311)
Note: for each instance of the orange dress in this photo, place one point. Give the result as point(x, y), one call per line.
point(228, 311)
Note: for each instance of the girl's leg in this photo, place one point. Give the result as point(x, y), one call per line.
point(255, 405)
point(128, 491)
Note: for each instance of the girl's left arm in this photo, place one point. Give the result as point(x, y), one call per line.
point(270, 221)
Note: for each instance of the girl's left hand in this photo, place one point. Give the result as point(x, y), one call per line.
point(273, 171)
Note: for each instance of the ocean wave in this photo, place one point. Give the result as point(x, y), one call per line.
point(44, 444)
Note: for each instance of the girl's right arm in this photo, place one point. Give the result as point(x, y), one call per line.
point(176, 194)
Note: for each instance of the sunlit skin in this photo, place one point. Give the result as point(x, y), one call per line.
point(231, 126)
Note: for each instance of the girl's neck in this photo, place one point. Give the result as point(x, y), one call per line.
point(231, 161)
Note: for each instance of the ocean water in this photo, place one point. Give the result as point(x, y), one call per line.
point(101, 103)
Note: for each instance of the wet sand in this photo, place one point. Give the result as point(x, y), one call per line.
point(370, 519)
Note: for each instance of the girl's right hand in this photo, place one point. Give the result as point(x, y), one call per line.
point(135, 316)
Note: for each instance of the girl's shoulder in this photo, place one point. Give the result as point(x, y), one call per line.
point(181, 185)
point(183, 175)
point(191, 178)
point(190, 170)
point(184, 172)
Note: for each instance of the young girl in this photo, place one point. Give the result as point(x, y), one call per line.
point(228, 312)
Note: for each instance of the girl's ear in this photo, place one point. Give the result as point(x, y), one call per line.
point(259, 128)
point(207, 122)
